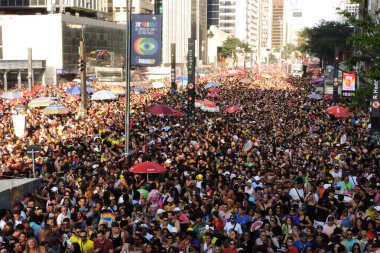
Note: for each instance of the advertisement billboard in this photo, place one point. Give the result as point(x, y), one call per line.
point(348, 84)
point(146, 35)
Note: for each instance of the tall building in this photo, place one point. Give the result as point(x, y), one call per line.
point(55, 48)
point(183, 19)
point(227, 16)
point(265, 30)
point(277, 24)
point(212, 13)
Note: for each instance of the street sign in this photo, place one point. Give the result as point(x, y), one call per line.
point(32, 149)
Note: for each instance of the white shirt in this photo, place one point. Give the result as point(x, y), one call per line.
point(235, 227)
point(296, 196)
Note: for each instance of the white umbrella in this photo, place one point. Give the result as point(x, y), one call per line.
point(314, 96)
point(158, 85)
point(209, 109)
point(11, 95)
point(103, 95)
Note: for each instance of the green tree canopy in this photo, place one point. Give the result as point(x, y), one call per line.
point(232, 46)
point(321, 40)
point(365, 41)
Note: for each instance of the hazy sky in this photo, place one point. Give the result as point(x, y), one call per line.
point(315, 10)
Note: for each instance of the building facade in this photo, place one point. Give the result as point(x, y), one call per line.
point(277, 24)
point(212, 13)
point(58, 44)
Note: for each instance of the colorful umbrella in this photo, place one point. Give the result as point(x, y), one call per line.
point(138, 89)
point(233, 109)
point(160, 110)
point(73, 90)
point(16, 101)
point(208, 103)
point(178, 113)
point(245, 80)
point(103, 95)
point(71, 98)
point(147, 168)
point(214, 90)
point(210, 85)
point(157, 95)
point(38, 88)
point(41, 102)
point(29, 93)
point(338, 111)
point(212, 95)
point(119, 90)
point(55, 109)
point(314, 96)
point(11, 95)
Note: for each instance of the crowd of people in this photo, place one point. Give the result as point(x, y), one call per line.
point(309, 182)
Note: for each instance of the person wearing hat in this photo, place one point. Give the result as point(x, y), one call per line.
point(297, 193)
point(170, 204)
point(199, 178)
point(256, 182)
point(233, 225)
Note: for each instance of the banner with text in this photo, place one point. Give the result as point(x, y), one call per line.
point(348, 84)
point(146, 35)
point(191, 75)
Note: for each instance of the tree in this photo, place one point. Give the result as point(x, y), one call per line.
point(365, 41)
point(321, 40)
point(232, 46)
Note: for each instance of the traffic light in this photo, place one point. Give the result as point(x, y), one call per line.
point(80, 65)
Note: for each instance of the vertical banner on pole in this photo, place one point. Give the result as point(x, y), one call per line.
point(191, 76)
point(375, 107)
point(146, 35)
point(172, 70)
point(336, 74)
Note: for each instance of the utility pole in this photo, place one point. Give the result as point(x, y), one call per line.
point(127, 78)
point(82, 69)
point(335, 81)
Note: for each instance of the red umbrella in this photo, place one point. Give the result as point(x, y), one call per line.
point(213, 95)
point(233, 109)
point(338, 111)
point(37, 88)
point(16, 101)
point(178, 113)
point(328, 96)
point(214, 90)
point(157, 95)
point(29, 93)
point(160, 109)
point(208, 103)
point(71, 98)
point(148, 168)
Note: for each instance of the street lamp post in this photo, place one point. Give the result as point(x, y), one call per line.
point(127, 76)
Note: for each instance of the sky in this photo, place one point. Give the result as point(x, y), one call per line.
point(315, 10)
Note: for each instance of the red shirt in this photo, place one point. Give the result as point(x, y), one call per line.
point(104, 247)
